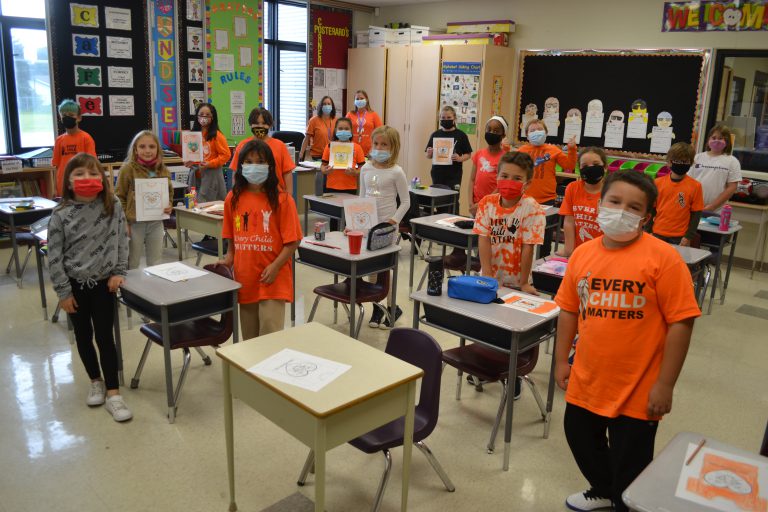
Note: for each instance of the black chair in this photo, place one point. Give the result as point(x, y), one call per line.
point(293, 139)
point(420, 349)
point(209, 246)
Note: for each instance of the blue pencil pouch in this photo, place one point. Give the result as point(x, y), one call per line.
point(473, 288)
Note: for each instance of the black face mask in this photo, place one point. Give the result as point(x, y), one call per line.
point(69, 122)
point(592, 174)
point(492, 138)
point(447, 123)
point(680, 169)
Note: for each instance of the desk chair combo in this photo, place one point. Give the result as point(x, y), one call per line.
point(208, 246)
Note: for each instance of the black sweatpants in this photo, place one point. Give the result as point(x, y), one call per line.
point(549, 236)
point(95, 315)
point(609, 463)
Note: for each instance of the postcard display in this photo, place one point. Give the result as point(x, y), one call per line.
point(635, 108)
point(192, 69)
point(99, 51)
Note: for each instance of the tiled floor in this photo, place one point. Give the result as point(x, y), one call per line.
point(57, 454)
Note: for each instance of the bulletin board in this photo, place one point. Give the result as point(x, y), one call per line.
point(648, 97)
point(330, 38)
point(99, 50)
point(234, 54)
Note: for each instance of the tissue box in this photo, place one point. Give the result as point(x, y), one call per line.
point(10, 164)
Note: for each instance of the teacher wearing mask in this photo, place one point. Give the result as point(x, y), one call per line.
point(364, 121)
point(320, 130)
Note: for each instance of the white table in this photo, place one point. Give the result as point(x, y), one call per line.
point(331, 206)
point(19, 218)
point(377, 389)
point(754, 214)
point(711, 236)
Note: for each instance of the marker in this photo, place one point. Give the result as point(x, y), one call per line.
point(696, 451)
point(323, 245)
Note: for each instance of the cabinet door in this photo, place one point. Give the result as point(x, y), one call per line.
point(424, 99)
point(398, 58)
point(367, 70)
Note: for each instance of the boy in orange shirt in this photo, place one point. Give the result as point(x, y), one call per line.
point(681, 199)
point(629, 295)
point(70, 143)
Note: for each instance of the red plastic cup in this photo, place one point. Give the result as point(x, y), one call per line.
point(355, 241)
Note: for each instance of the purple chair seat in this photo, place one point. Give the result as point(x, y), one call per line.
point(202, 332)
point(364, 291)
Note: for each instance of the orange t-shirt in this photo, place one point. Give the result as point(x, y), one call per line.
point(337, 178)
point(625, 300)
point(509, 229)
point(583, 207)
point(320, 132)
point(283, 162)
point(215, 151)
point(675, 203)
point(543, 186)
point(362, 128)
point(487, 165)
point(67, 146)
point(259, 235)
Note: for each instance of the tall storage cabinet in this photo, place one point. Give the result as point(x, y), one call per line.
point(367, 70)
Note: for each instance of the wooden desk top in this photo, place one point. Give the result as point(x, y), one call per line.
point(736, 204)
point(372, 371)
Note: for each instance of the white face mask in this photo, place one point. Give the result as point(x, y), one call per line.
point(617, 224)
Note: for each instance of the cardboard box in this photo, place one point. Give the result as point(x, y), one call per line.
point(468, 39)
point(361, 39)
point(473, 27)
point(380, 37)
point(418, 33)
point(10, 164)
point(401, 37)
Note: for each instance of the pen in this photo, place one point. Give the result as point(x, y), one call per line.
point(324, 245)
point(696, 451)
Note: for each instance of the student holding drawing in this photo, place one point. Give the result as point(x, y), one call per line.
point(262, 225)
point(319, 130)
point(461, 150)
point(208, 175)
point(144, 161)
point(338, 179)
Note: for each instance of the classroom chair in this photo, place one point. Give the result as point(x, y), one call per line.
point(209, 246)
point(419, 349)
point(203, 332)
point(23, 239)
point(169, 224)
point(293, 140)
point(493, 366)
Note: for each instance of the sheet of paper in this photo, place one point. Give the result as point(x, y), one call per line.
point(341, 155)
point(151, 199)
point(221, 39)
point(451, 221)
point(331, 79)
point(637, 127)
point(337, 95)
point(194, 39)
point(175, 271)
point(552, 121)
point(554, 265)
point(117, 19)
point(119, 47)
point(120, 77)
point(191, 146)
point(361, 214)
point(572, 129)
point(530, 304)
point(614, 135)
point(661, 139)
point(223, 62)
point(318, 77)
point(442, 150)
point(593, 125)
point(300, 369)
point(237, 102)
point(241, 28)
point(245, 54)
point(121, 105)
point(723, 481)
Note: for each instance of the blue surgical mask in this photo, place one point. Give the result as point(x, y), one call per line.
point(537, 137)
point(255, 174)
point(327, 109)
point(360, 103)
point(343, 135)
point(380, 155)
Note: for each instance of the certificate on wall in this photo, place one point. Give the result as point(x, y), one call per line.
point(342, 155)
point(192, 146)
point(361, 214)
point(121, 105)
point(151, 199)
point(119, 48)
point(120, 77)
point(117, 19)
point(442, 150)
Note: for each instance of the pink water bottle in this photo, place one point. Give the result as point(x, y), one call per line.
point(725, 218)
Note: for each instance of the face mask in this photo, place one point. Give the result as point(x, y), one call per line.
point(717, 145)
point(592, 174)
point(510, 189)
point(69, 122)
point(255, 174)
point(147, 163)
point(492, 138)
point(447, 123)
point(617, 224)
point(380, 155)
point(260, 132)
point(343, 135)
point(537, 137)
point(204, 121)
point(360, 103)
point(87, 187)
point(327, 109)
point(680, 169)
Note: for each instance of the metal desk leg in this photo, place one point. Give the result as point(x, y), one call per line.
point(118, 343)
point(229, 436)
point(550, 390)
point(320, 448)
point(510, 399)
point(394, 290)
point(15, 251)
point(306, 215)
point(352, 299)
point(730, 264)
point(416, 307)
point(220, 246)
point(413, 259)
point(178, 236)
point(235, 318)
point(717, 273)
point(335, 304)
point(40, 282)
point(760, 243)
point(293, 302)
point(166, 330)
point(469, 256)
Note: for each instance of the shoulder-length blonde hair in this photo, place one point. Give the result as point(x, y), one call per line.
point(90, 162)
point(132, 155)
point(393, 138)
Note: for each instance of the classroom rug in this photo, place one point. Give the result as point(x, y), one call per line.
point(296, 502)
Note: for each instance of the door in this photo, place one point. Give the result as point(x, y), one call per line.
point(398, 60)
point(424, 100)
point(367, 70)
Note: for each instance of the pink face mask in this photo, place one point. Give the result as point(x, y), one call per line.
point(717, 145)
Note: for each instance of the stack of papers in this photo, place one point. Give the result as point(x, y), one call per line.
point(554, 266)
point(531, 304)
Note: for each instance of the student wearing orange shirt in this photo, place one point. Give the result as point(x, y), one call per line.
point(629, 295)
point(343, 180)
point(70, 143)
point(319, 130)
point(579, 207)
point(681, 199)
point(262, 225)
point(208, 176)
point(364, 121)
point(261, 122)
point(485, 162)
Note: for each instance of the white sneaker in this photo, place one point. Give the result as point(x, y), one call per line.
point(115, 405)
point(96, 393)
point(587, 501)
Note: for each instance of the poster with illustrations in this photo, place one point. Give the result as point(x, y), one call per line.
point(530, 114)
point(151, 199)
point(342, 155)
point(195, 70)
point(614, 130)
point(442, 150)
point(662, 134)
point(195, 98)
point(637, 125)
point(191, 146)
point(195, 10)
point(593, 124)
point(194, 39)
point(361, 214)
point(460, 89)
point(572, 127)
point(552, 116)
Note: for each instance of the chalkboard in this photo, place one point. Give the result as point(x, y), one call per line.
point(667, 81)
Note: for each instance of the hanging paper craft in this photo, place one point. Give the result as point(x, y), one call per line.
point(661, 136)
point(120, 77)
point(151, 199)
point(121, 105)
point(194, 39)
point(192, 146)
point(552, 116)
point(90, 105)
point(237, 102)
point(637, 126)
point(195, 67)
point(117, 19)
point(119, 48)
point(614, 130)
point(84, 15)
point(361, 214)
point(87, 76)
point(442, 150)
point(238, 124)
point(195, 98)
point(222, 40)
point(241, 29)
point(85, 46)
point(195, 10)
point(572, 128)
point(531, 113)
point(341, 155)
point(593, 125)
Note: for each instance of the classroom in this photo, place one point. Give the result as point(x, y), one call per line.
point(275, 245)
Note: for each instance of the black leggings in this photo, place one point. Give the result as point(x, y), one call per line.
point(549, 235)
point(95, 314)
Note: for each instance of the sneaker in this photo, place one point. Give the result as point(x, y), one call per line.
point(518, 388)
point(587, 500)
point(376, 316)
point(96, 393)
point(386, 324)
point(115, 405)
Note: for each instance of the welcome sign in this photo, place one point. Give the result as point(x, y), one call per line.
point(706, 16)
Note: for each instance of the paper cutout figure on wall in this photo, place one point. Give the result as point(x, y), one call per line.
point(552, 116)
point(593, 124)
point(572, 127)
point(637, 126)
point(614, 130)
point(531, 113)
point(662, 134)
point(195, 71)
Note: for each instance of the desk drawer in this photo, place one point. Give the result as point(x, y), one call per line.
point(326, 209)
point(443, 236)
point(204, 306)
point(344, 267)
point(547, 283)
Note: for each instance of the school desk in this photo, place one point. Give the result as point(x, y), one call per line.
point(199, 222)
point(20, 218)
point(170, 303)
point(543, 280)
point(654, 489)
point(434, 199)
point(305, 176)
point(553, 222)
point(377, 389)
point(711, 236)
point(753, 214)
point(331, 206)
point(696, 260)
point(496, 327)
point(338, 261)
point(428, 229)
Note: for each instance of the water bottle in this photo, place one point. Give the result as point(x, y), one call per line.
point(413, 183)
point(418, 182)
point(725, 218)
point(435, 275)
